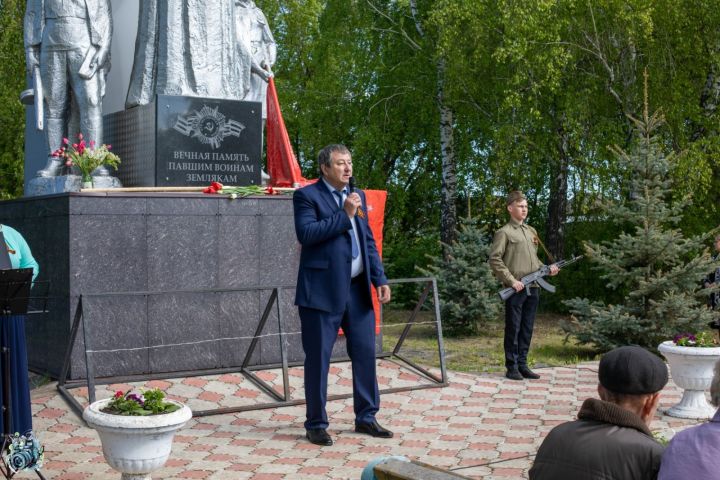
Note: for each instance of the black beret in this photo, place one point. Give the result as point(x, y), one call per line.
point(632, 370)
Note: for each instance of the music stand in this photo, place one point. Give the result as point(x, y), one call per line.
point(15, 291)
point(14, 298)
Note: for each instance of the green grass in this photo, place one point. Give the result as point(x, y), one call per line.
point(484, 352)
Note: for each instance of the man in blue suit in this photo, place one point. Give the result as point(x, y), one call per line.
point(338, 264)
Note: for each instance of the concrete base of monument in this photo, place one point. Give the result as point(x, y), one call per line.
point(188, 275)
point(66, 183)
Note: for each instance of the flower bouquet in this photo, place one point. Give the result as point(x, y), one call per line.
point(239, 192)
point(149, 402)
point(86, 156)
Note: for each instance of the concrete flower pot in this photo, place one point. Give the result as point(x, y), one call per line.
point(692, 370)
point(136, 445)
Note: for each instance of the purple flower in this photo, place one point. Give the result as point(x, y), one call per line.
point(136, 398)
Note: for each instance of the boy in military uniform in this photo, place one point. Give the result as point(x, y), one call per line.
point(512, 256)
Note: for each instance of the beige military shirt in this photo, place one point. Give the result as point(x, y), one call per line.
point(514, 252)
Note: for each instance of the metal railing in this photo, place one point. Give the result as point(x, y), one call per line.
point(281, 397)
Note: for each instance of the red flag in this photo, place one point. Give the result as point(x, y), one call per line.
point(282, 165)
point(375, 201)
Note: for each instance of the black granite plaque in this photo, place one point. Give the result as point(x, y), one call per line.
point(203, 140)
point(187, 141)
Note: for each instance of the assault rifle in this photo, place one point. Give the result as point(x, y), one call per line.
point(537, 276)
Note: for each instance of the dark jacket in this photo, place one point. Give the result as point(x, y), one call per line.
point(323, 230)
point(606, 442)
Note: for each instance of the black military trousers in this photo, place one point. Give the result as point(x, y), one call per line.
point(519, 321)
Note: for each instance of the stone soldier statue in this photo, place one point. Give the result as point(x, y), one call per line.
point(188, 48)
point(69, 42)
point(255, 37)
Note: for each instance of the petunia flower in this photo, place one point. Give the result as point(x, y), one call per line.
point(136, 398)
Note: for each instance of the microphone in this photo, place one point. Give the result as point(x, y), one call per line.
point(351, 189)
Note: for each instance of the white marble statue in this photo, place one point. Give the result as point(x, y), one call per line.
point(255, 37)
point(68, 43)
point(188, 47)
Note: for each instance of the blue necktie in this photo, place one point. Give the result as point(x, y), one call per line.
point(355, 248)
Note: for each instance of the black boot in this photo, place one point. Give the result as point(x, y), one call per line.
point(527, 373)
point(513, 374)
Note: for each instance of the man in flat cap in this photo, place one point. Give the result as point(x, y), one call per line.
point(611, 438)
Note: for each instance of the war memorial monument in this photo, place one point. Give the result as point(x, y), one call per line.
point(167, 281)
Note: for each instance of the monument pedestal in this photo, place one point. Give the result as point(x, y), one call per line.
point(90, 243)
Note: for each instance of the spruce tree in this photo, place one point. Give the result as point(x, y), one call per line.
point(654, 268)
point(466, 286)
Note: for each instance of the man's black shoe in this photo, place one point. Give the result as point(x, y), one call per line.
point(513, 374)
point(527, 373)
point(373, 429)
point(319, 436)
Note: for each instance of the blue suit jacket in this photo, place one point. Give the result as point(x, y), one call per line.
point(323, 230)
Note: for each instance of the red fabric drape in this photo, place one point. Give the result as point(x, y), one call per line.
point(282, 164)
point(375, 200)
point(284, 171)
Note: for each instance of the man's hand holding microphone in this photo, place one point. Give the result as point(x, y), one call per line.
point(351, 206)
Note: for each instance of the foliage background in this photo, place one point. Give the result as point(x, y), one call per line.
point(532, 94)
point(12, 113)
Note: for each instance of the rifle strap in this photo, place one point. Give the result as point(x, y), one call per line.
point(549, 255)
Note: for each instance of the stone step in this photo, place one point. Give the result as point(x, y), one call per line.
point(393, 469)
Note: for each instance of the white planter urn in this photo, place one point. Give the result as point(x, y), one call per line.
point(136, 445)
point(692, 370)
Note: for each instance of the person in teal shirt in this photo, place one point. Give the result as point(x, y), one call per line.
point(18, 250)
point(15, 253)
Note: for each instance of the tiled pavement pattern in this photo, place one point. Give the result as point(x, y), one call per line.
point(482, 426)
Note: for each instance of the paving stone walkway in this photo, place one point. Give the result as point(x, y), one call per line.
point(482, 426)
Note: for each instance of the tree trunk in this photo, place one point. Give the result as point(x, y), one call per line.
point(557, 207)
point(448, 210)
point(448, 187)
point(709, 99)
